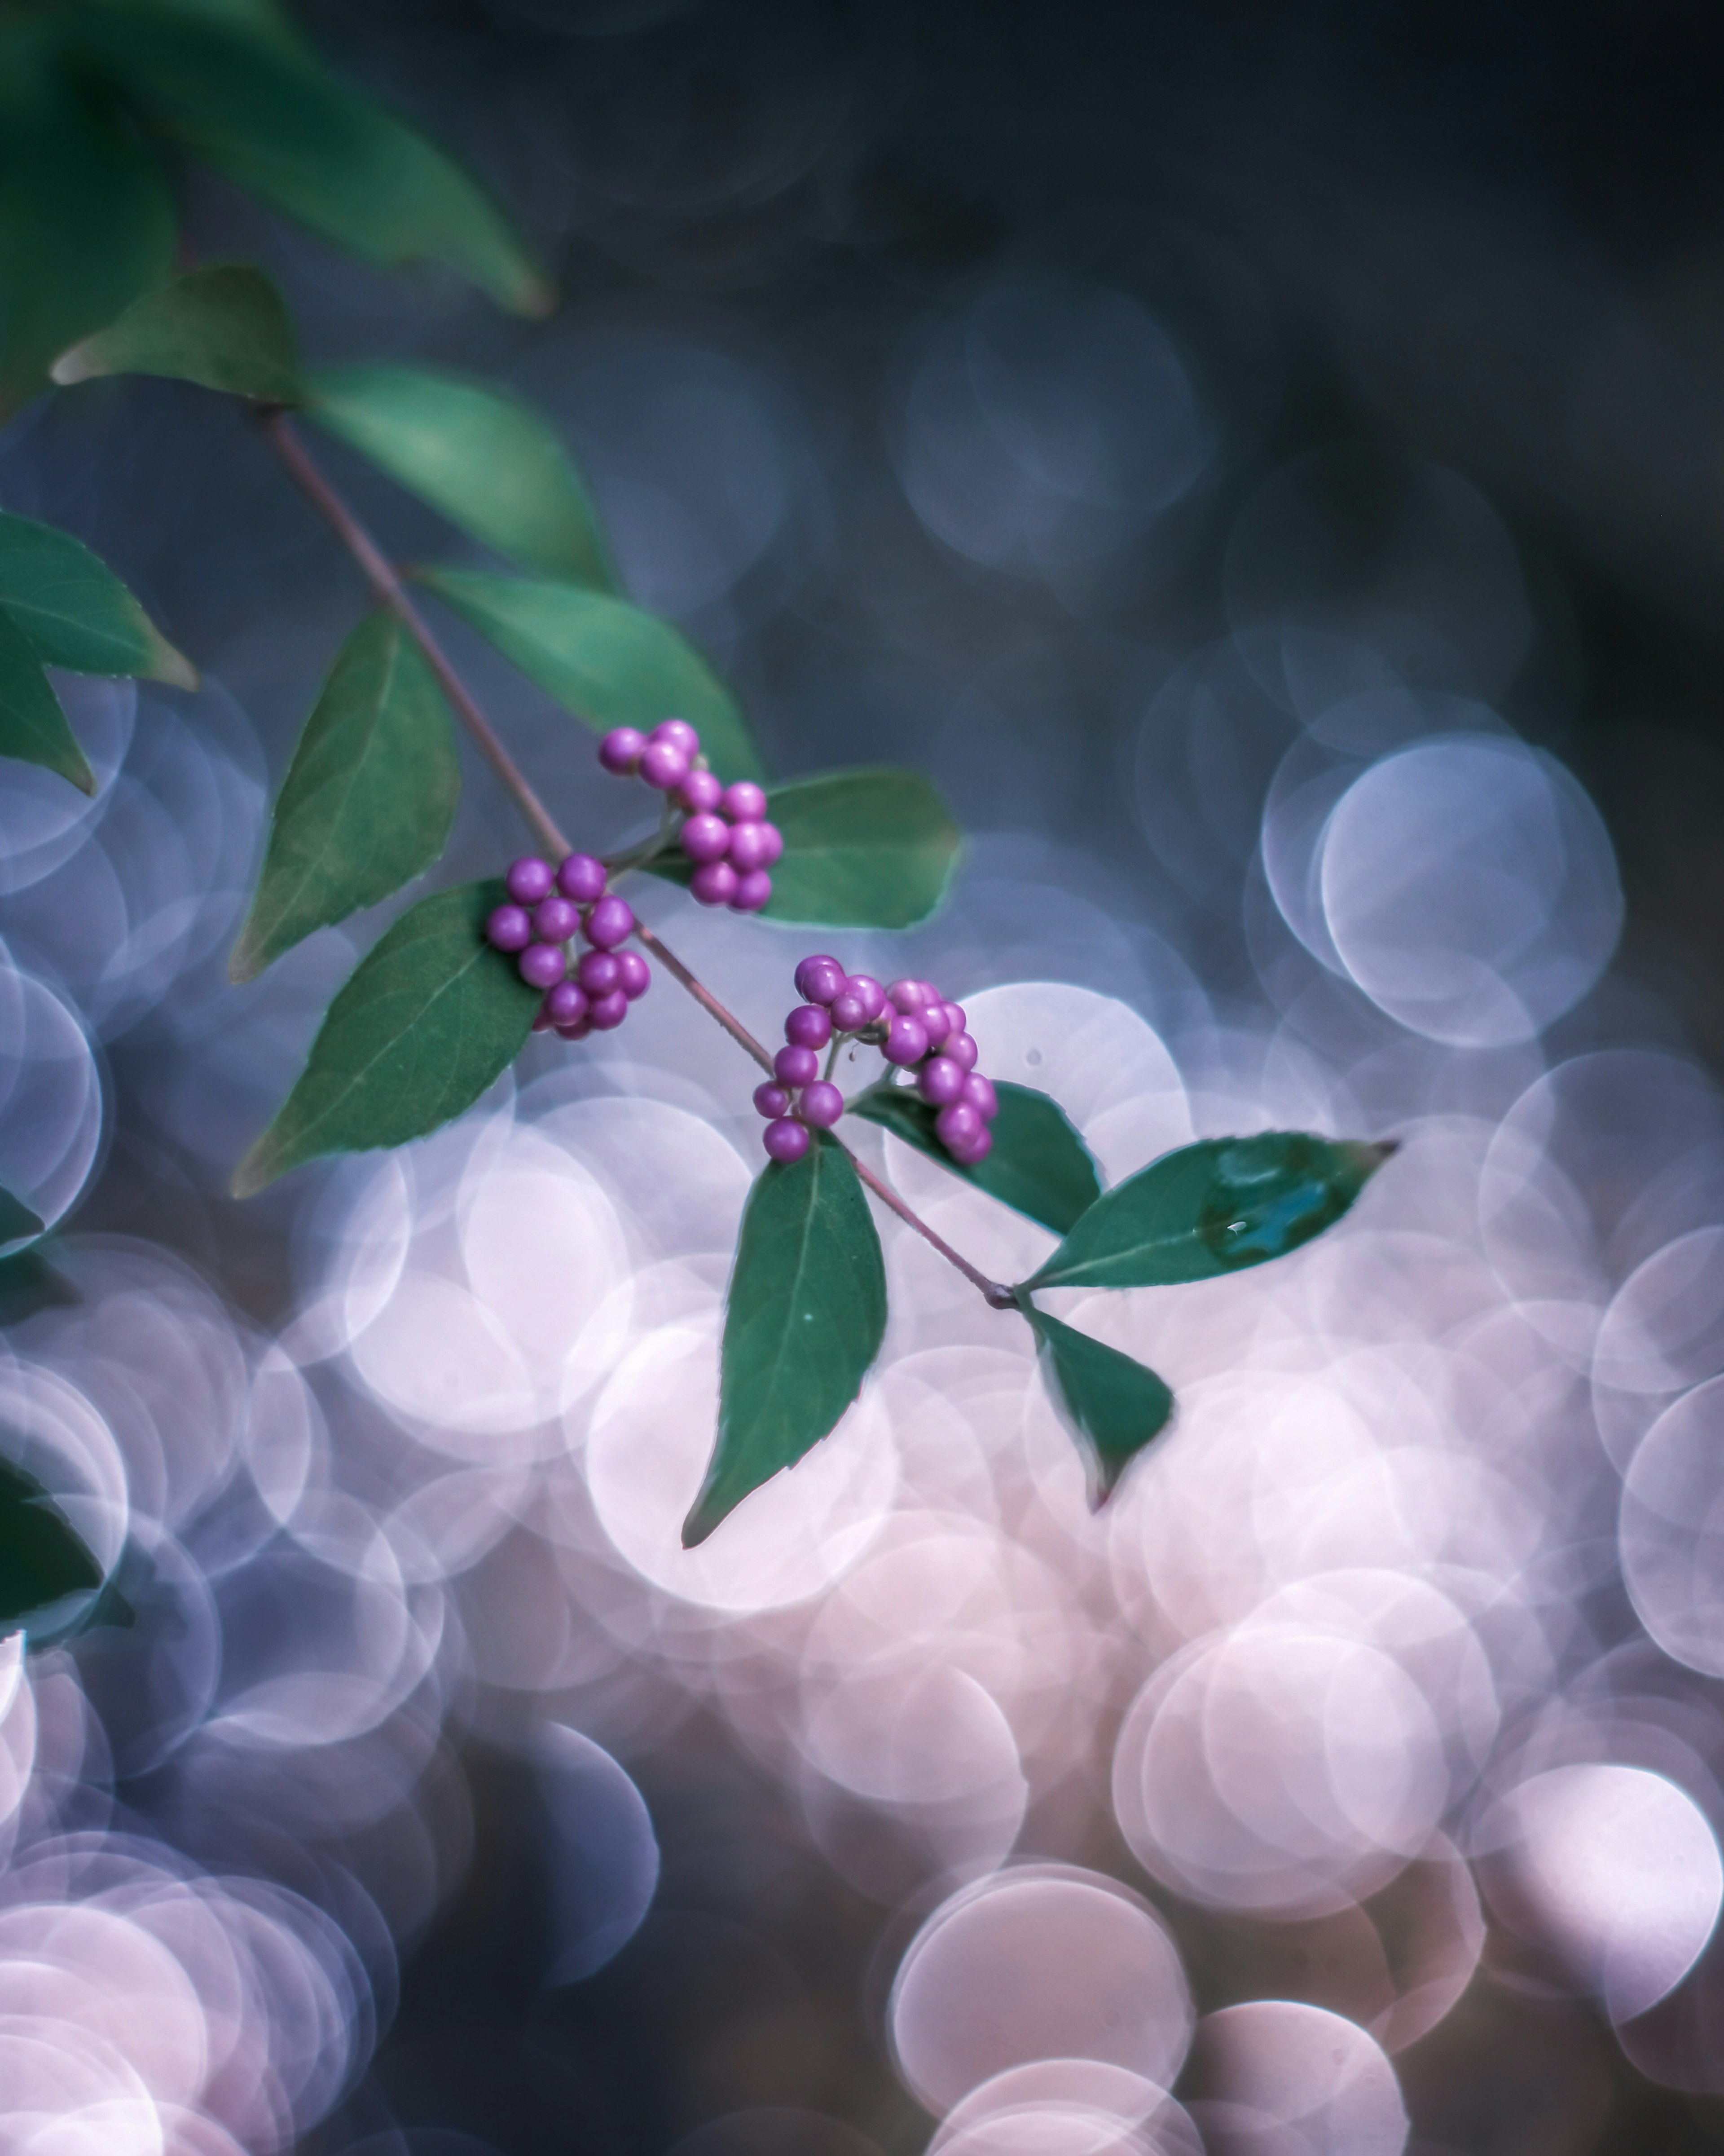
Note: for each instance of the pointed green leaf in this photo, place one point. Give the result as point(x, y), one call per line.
point(76, 612)
point(1113, 1406)
point(804, 1318)
point(42, 1560)
point(29, 1283)
point(606, 661)
point(480, 458)
point(367, 801)
point(1212, 1208)
point(429, 1018)
point(225, 327)
point(17, 1219)
point(32, 726)
point(1038, 1164)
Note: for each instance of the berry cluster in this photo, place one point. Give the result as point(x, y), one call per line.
point(548, 909)
point(913, 1027)
point(725, 831)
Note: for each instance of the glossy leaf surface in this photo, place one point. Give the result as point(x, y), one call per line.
point(369, 799)
point(429, 1018)
point(17, 1219)
point(32, 726)
point(42, 1559)
point(75, 611)
point(602, 660)
point(1112, 1405)
point(225, 327)
point(1039, 1166)
point(480, 458)
point(804, 1317)
point(1212, 1208)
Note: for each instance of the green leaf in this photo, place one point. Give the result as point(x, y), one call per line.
point(42, 1560)
point(29, 1283)
point(367, 801)
point(225, 327)
point(1113, 1406)
point(87, 218)
point(32, 726)
point(602, 660)
point(17, 1219)
point(430, 1017)
point(872, 848)
point(76, 612)
point(1038, 1164)
point(1212, 1208)
point(483, 460)
point(804, 1318)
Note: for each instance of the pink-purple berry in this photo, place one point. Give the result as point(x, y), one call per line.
point(772, 839)
point(940, 1082)
point(745, 802)
point(960, 1048)
point(751, 892)
point(509, 927)
point(786, 1140)
point(906, 1041)
point(955, 1018)
point(620, 750)
point(818, 979)
point(906, 996)
point(747, 846)
point(599, 972)
point(795, 1067)
point(957, 1124)
point(714, 884)
point(700, 793)
point(821, 1105)
point(578, 1031)
point(679, 734)
point(608, 1011)
point(873, 995)
point(609, 921)
point(541, 965)
point(566, 1004)
point(973, 1150)
point(556, 919)
point(934, 1021)
point(772, 1101)
point(979, 1092)
point(706, 838)
point(529, 879)
point(663, 765)
point(582, 878)
point(808, 1026)
point(634, 977)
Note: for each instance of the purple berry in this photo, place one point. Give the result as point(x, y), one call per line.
point(541, 965)
point(907, 996)
point(906, 1040)
point(634, 977)
point(772, 839)
point(620, 750)
point(554, 920)
point(582, 878)
point(960, 1048)
point(679, 734)
point(850, 1011)
point(747, 846)
point(797, 1066)
point(663, 764)
point(818, 979)
point(808, 1026)
point(578, 1031)
point(751, 892)
point(509, 927)
point(973, 1149)
point(599, 972)
point(934, 1022)
point(955, 1018)
point(700, 793)
point(979, 1092)
point(529, 879)
point(608, 1011)
point(940, 1081)
point(957, 1124)
point(785, 1140)
point(609, 921)
point(821, 1105)
point(714, 884)
point(541, 1022)
point(744, 803)
point(704, 838)
point(566, 1004)
point(871, 993)
point(772, 1099)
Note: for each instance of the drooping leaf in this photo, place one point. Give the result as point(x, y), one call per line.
point(1039, 1165)
point(225, 326)
point(804, 1318)
point(32, 726)
point(480, 458)
point(17, 1219)
point(602, 660)
point(42, 1559)
point(428, 1019)
point(1113, 1406)
point(75, 611)
point(369, 799)
point(1212, 1208)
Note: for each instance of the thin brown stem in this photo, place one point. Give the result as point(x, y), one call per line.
point(994, 1293)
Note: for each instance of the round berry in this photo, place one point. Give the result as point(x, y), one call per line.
point(714, 884)
point(808, 1026)
point(566, 1004)
point(704, 838)
point(797, 1066)
point(955, 1018)
point(634, 977)
point(935, 1023)
point(747, 846)
point(699, 792)
point(906, 1040)
point(608, 1011)
point(663, 764)
point(973, 1149)
point(850, 1011)
point(821, 1105)
point(818, 979)
point(529, 879)
point(509, 927)
point(582, 878)
point(771, 1100)
point(599, 972)
point(907, 996)
point(940, 1081)
point(679, 734)
point(554, 920)
point(785, 1140)
point(541, 965)
point(957, 1124)
point(744, 803)
point(772, 839)
point(871, 993)
point(620, 750)
point(751, 892)
point(609, 921)
point(578, 1031)
point(960, 1048)
point(541, 1022)
point(979, 1092)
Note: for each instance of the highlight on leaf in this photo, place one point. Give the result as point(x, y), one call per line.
point(225, 326)
point(76, 612)
point(1113, 1406)
point(1039, 1165)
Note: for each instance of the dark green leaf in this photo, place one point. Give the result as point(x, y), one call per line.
point(29, 1283)
point(225, 327)
point(32, 726)
point(606, 661)
point(1212, 1208)
point(17, 1219)
point(369, 799)
point(484, 461)
point(431, 1016)
point(42, 1561)
point(76, 612)
point(86, 216)
point(804, 1318)
point(1112, 1406)
point(1038, 1164)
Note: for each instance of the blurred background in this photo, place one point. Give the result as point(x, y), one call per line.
point(1264, 464)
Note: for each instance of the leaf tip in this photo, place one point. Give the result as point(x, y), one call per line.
point(703, 1517)
point(243, 963)
point(256, 1172)
point(173, 667)
point(74, 365)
